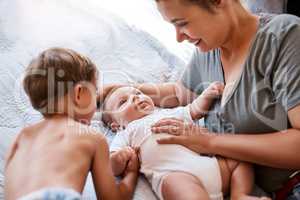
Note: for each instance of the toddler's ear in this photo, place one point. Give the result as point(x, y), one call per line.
point(78, 95)
point(114, 126)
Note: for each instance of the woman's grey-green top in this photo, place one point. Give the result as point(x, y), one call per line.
point(268, 87)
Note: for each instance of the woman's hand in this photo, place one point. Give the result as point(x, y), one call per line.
point(193, 137)
point(176, 126)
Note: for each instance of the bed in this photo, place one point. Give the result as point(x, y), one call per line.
point(125, 51)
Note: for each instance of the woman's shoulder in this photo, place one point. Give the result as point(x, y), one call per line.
point(285, 20)
point(278, 25)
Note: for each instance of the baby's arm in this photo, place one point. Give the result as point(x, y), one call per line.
point(200, 106)
point(103, 178)
point(119, 160)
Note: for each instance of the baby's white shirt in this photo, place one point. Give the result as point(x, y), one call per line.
point(139, 131)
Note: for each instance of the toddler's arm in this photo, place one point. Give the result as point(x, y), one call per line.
point(200, 106)
point(103, 178)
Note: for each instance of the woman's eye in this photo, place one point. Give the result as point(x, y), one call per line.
point(181, 24)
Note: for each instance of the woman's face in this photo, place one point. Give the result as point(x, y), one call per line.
point(205, 29)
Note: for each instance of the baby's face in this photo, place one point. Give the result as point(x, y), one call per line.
point(127, 104)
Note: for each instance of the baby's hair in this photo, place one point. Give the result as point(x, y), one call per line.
point(53, 74)
point(106, 114)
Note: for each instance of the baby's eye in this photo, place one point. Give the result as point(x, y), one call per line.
point(122, 102)
point(138, 93)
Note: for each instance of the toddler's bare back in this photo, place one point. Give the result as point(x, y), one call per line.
point(53, 153)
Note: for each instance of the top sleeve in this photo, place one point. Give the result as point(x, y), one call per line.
point(120, 141)
point(286, 78)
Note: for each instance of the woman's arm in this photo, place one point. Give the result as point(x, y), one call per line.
point(164, 95)
point(168, 94)
point(278, 149)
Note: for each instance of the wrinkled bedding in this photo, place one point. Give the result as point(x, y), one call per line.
point(123, 53)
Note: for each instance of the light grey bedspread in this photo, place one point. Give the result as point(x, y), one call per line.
point(122, 52)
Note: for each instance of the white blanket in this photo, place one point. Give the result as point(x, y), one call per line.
point(123, 53)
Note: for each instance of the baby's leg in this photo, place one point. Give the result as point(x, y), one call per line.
point(242, 180)
point(182, 186)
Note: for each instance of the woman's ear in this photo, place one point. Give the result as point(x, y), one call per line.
point(219, 3)
point(216, 1)
point(114, 126)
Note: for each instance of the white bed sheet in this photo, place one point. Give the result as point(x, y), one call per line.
point(123, 53)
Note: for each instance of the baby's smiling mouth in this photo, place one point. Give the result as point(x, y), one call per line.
point(143, 105)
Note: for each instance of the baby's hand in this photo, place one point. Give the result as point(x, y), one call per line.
point(133, 164)
point(122, 156)
point(214, 90)
point(200, 106)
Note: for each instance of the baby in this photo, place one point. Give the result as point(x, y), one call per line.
point(174, 171)
point(51, 159)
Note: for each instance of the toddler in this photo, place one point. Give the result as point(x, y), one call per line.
point(51, 159)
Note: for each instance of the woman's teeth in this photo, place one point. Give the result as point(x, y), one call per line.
point(196, 42)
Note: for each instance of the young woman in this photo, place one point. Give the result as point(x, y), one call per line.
point(257, 120)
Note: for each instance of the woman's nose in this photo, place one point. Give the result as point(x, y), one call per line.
point(180, 36)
